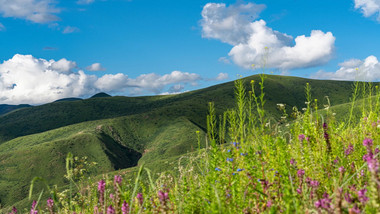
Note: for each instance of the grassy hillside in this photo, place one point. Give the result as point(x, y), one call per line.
point(4, 108)
point(116, 131)
point(279, 89)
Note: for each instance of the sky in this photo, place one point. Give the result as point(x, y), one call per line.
point(53, 49)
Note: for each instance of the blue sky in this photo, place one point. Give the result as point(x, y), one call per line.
point(75, 48)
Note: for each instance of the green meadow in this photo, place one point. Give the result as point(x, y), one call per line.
point(262, 144)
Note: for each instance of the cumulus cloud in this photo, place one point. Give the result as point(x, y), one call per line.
point(38, 11)
point(95, 67)
point(254, 42)
point(26, 79)
point(354, 69)
point(369, 8)
point(70, 29)
point(222, 76)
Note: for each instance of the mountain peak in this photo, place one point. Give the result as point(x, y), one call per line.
point(101, 94)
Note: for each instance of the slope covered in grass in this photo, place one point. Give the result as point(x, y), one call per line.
point(157, 128)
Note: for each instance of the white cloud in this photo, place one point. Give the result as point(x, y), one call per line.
point(222, 76)
point(95, 67)
point(224, 60)
point(26, 79)
point(354, 69)
point(2, 27)
point(85, 1)
point(70, 29)
point(38, 11)
point(254, 42)
point(156, 83)
point(369, 7)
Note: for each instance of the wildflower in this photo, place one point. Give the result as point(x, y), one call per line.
point(326, 136)
point(112, 196)
point(239, 170)
point(373, 165)
point(243, 154)
point(349, 150)
point(140, 198)
point(125, 208)
point(355, 209)
point(229, 150)
point(50, 205)
point(117, 180)
point(292, 161)
point(218, 169)
point(101, 186)
point(324, 202)
point(300, 173)
point(301, 137)
point(377, 150)
point(367, 142)
point(361, 195)
point(348, 197)
point(336, 160)
point(230, 159)
point(314, 184)
point(299, 191)
point(34, 210)
point(110, 210)
point(341, 169)
point(269, 203)
point(14, 210)
point(163, 196)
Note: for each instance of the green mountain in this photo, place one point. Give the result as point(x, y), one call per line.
point(122, 132)
point(4, 108)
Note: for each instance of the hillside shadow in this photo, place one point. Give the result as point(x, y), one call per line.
point(120, 156)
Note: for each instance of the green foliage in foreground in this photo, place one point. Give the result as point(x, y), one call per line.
point(313, 164)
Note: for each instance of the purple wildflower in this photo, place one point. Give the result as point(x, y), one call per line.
point(14, 210)
point(292, 161)
point(342, 169)
point(373, 165)
point(239, 170)
point(348, 197)
point(218, 169)
point(110, 210)
point(356, 209)
point(125, 208)
point(101, 186)
point(34, 210)
point(326, 136)
point(324, 203)
point(117, 180)
point(269, 203)
point(362, 197)
point(163, 196)
point(377, 150)
point(140, 198)
point(314, 184)
point(299, 191)
point(230, 159)
point(367, 142)
point(349, 150)
point(301, 137)
point(50, 205)
point(300, 173)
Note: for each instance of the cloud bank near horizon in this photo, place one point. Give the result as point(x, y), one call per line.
point(26, 79)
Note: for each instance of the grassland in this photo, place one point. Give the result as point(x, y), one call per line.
point(116, 131)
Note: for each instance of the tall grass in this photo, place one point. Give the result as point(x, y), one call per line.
point(310, 163)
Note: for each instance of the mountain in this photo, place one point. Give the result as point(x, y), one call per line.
point(122, 132)
point(68, 99)
point(4, 108)
point(101, 94)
